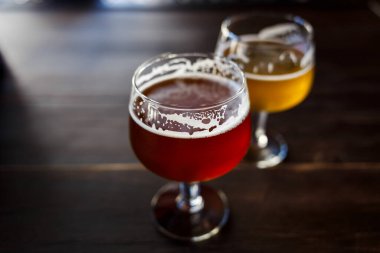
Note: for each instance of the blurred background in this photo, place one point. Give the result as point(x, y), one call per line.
point(66, 67)
point(128, 4)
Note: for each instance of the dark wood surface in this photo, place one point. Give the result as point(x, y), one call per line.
point(298, 208)
point(69, 181)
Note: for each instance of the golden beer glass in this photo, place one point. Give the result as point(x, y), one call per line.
point(276, 54)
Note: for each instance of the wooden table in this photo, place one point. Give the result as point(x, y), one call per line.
point(69, 181)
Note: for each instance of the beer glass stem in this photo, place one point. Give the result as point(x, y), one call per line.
point(260, 138)
point(189, 198)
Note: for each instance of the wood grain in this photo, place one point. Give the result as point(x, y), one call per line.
point(287, 210)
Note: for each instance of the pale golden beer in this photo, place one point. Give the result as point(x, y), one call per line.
point(276, 53)
point(276, 79)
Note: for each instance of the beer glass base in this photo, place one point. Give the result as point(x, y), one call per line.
point(273, 154)
point(186, 226)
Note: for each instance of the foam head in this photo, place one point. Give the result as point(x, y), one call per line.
point(190, 98)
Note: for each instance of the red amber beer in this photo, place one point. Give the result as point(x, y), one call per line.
point(189, 123)
point(178, 146)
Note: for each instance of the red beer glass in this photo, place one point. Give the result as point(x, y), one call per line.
point(189, 122)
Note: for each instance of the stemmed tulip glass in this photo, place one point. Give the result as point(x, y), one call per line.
point(189, 122)
point(276, 53)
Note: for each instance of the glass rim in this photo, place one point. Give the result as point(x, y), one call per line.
point(226, 31)
point(163, 56)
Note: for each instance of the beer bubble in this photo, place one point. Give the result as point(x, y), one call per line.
point(206, 121)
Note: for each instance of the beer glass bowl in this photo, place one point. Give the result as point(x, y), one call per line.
point(276, 53)
point(189, 122)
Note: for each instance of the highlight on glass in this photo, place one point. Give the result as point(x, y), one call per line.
point(189, 123)
point(276, 54)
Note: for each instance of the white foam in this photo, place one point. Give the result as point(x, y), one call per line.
point(277, 30)
point(194, 118)
point(282, 77)
point(307, 61)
